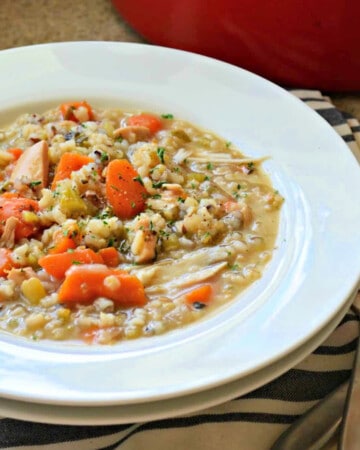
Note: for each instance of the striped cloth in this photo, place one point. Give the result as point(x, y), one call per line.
point(252, 422)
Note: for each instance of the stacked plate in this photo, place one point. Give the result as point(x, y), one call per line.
point(303, 294)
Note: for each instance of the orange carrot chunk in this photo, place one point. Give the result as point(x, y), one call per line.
point(62, 244)
point(16, 152)
point(12, 205)
point(149, 121)
point(57, 264)
point(124, 190)
point(69, 162)
point(110, 256)
point(6, 263)
point(84, 284)
point(201, 294)
point(68, 110)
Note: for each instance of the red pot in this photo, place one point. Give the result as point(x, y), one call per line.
point(298, 43)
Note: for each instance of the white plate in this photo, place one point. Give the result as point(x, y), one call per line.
point(165, 409)
point(310, 278)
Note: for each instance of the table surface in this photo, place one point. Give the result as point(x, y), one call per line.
point(24, 22)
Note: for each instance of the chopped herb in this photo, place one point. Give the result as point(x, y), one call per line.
point(167, 116)
point(104, 157)
point(158, 184)
point(115, 187)
point(76, 262)
point(34, 183)
point(119, 139)
point(238, 186)
point(207, 234)
point(207, 178)
point(181, 200)
point(276, 192)
point(151, 225)
point(250, 166)
point(193, 186)
point(133, 204)
point(228, 144)
point(198, 305)
point(65, 232)
point(161, 151)
point(209, 166)
point(156, 196)
point(234, 267)
point(70, 250)
point(105, 222)
point(111, 242)
point(139, 179)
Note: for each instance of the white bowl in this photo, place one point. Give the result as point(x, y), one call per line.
point(314, 270)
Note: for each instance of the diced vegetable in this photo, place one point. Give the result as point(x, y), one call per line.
point(71, 202)
point(201, 294)
point(146, 120)
point(16, 152)
point(110, 256)
point(84, 284)
point(72, 111)
point(12, 205)
point(69, 162)
point(57, 264)
point(62, 244)
point(33, 290)
point(125, 194)
point(6, 263)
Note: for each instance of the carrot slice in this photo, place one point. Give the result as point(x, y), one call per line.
point(69, 162)
point(16, 152)
point(124, 190)
point(110, 256)
point(6, 263)
point(57, 264)
point(67, 110)
point(62, 244)
point(149, 121)
point(12, 205)
point(201, 294)
point(84, 284)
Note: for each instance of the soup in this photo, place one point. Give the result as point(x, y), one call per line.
point(118, 225)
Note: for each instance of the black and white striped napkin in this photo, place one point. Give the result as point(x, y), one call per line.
point(252, 422)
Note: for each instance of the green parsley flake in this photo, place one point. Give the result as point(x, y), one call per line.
point(161, 151)
point(104, 157)
point(158, 184)
point(167, 116)
point(34, 183)
point(139, 179)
